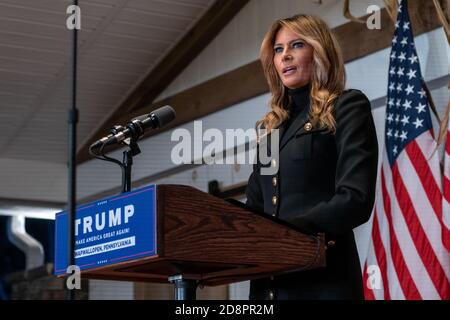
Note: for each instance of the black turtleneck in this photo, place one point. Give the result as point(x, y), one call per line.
point(300, 101)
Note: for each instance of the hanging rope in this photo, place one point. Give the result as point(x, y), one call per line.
point(391, 8)
point(444, 15)
point(442, 10)
point(430, 101)
point(444, 124)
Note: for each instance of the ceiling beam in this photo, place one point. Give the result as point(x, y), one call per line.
point(248, 81)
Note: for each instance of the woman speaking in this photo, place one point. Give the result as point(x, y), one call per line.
point(328, 155)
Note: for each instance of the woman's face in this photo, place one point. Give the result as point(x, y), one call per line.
point(293, 58)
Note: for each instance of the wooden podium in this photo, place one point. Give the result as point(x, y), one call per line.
point(205, 240)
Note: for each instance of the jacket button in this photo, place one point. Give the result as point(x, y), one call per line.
point(331, 243)
point(308, 126)
point(274, 200)
point(271, 295)
point(274, 181)
point(274, 163)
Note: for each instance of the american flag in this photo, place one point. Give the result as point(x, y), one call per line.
point(407, 258)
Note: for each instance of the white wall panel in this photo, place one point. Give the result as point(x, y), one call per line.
point(33, 180)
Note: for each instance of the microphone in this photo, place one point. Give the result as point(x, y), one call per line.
point(136, 127)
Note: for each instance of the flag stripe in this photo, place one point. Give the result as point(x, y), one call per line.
point(446, 224)
point(380, 254)
point(447, 145)
point(429, 150)
point(422, 168)
point(424, 210)
point(447, 189)
point(446, 194)
point(420, 239)
point(406, 282)
point(428, 146)
point(395, 289)
point(412, 258)
point(368, 293)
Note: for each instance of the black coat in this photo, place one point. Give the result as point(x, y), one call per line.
point(325, 183)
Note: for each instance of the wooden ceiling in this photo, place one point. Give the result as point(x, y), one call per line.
point(121, 44)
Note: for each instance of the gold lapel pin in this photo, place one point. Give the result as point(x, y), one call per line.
point(308, 126)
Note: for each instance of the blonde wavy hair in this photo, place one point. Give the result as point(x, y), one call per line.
point(327, 79)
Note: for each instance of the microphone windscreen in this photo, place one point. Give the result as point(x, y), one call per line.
point(164, 115)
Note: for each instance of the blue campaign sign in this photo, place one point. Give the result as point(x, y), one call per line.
point(109, 231)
